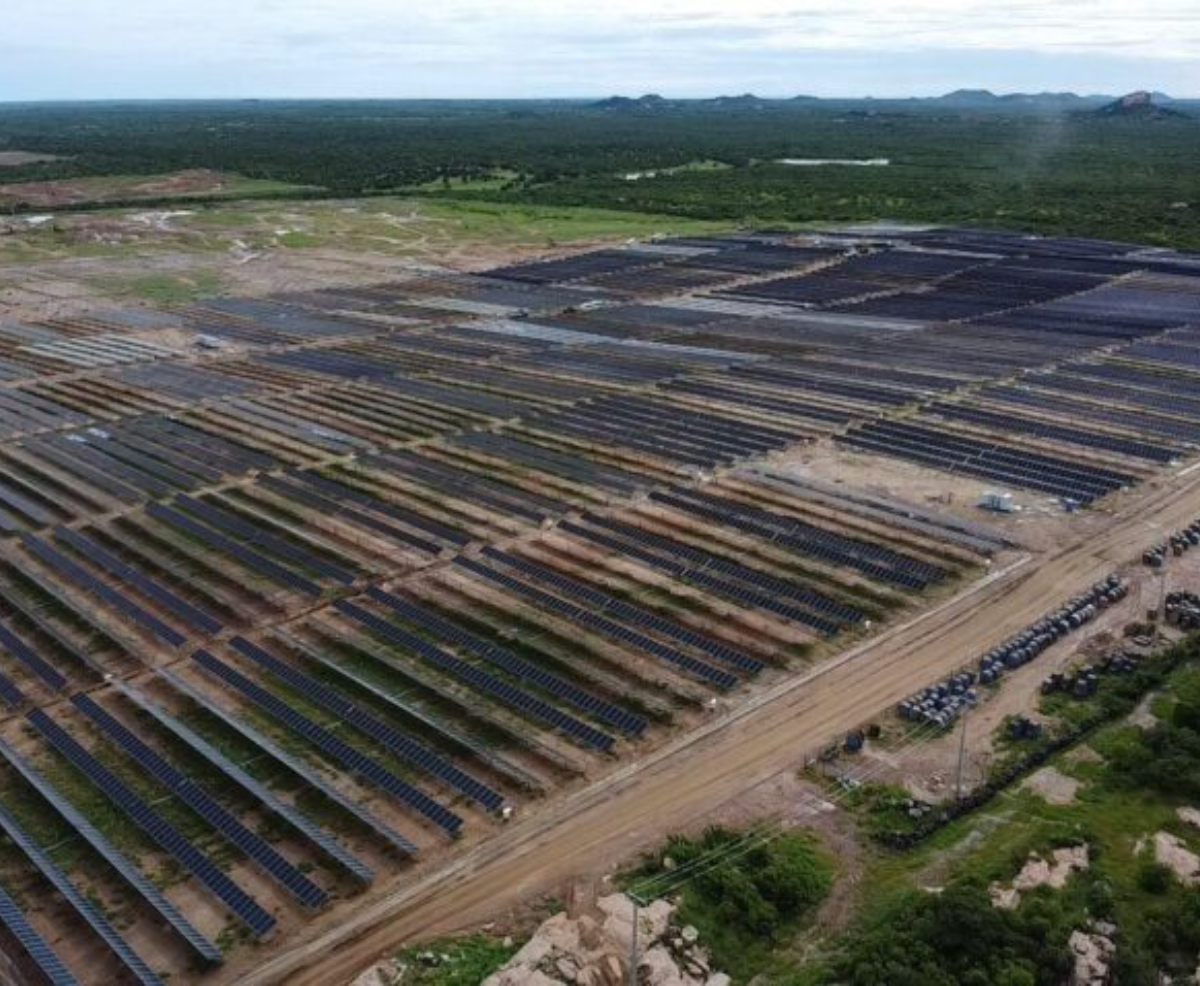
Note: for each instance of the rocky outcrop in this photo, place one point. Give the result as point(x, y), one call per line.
point(1174, 854)
point(595, 950)
point(1093, 954)
point(1038, 872)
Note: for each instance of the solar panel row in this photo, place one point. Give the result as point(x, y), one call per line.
point(298, 768)
point(509, 662)
point(34, 945)
point(77, 574)
point(300, 822)
point(91, 915)
point(149, 821)
point(133, 877)
point(576, 614)
point(323, 739)
point(397, 743)
point(203, 804)
point(477, 678)
point(629, 612)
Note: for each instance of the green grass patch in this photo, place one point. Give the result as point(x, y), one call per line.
point(165, 289)
point(744, 893)
point(455, 961)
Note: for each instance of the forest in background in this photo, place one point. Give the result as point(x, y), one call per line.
point(1060, 171)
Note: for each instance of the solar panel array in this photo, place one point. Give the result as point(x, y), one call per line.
point(149, 821)
point(418, 548)
point(204, 805)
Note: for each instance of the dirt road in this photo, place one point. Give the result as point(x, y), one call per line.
point(595, 828)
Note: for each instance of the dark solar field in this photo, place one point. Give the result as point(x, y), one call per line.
point(345, 579)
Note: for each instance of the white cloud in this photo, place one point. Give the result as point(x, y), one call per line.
point(337, 46)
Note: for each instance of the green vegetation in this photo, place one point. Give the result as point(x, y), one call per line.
point(1125, 178)
point(957, 938)
point(744, 908)
point(167, 288)
point(924, 916)
point(455, 961)
point(905, 935)
point(1166, 758)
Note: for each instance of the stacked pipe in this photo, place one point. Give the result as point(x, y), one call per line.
point(943, 703)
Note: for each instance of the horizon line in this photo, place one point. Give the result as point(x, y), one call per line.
point(870, 97)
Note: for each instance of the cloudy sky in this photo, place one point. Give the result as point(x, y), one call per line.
point(65, 49)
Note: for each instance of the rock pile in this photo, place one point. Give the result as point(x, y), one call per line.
point(595, 950)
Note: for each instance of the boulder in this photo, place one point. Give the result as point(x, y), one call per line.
point(521, 976)
point(1093, 956)
point(1175, 855)
point(654, 919)
point(383, 974)
point(658, 968)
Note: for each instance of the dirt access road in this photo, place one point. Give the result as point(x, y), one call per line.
point(591, 831)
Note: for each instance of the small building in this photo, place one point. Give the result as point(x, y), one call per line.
point(1001, 503)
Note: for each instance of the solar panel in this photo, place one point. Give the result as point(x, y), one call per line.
point(341, 491)
point(251, 559)
point(149, 821)
point(230, 522)
point(552, 683)
point(333, 509)
point(397, 743)
point(184, 610)
point(401, 703)
point(43, 956)
point(203, 804)
point(627, 611)
point(722, 679)
point(478, 678)
point(299, 768)
point(339, 750)
point(24, 653)
point(92, 915)
point(13, 696)
point(296, 819)
point(65, 566)
point(200, 945)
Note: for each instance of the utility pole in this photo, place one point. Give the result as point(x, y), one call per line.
point(1162, 586)
point(634, 959)
point(962, 753)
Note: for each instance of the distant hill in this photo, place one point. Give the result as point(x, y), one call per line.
point(746, 101)
point(968, 97)
point(649, 103)
point(654, 103)
point(981, 98)
point(1140, 105)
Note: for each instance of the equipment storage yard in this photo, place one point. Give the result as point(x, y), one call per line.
point(336, 619)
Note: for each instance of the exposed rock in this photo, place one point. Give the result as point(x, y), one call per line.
point(1177, 857)
point(382, 974)
point(1037, 872)
point(657, 968)
point(718, 979)
point(1189, 816)
point(524, 976)
point(1053, 786)
point(1093, 956)
point(594, 950)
